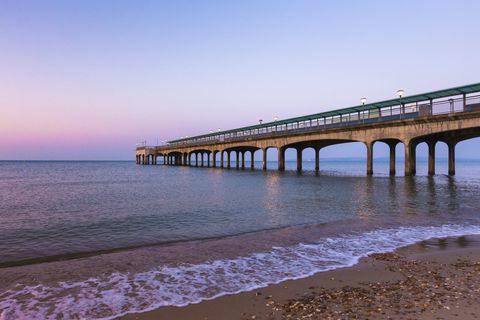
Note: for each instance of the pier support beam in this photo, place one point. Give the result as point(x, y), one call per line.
point(317, 159)
point(369, 158)
point(299, 159)
point(410, 159)
point(201, 158)
point(451, 157)
point(196, 159)
point(252, 159)
point(214, 159)
point(264, 159)
point(221, 159)
point(393, 157)
point(228, 159)
point(431, 157)
point(243, 159)
point(281, 159)
point(237, 163)
point(208, 159)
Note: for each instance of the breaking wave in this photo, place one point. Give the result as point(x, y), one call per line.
point(183, 284)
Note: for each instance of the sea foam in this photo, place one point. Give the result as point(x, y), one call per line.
point(183, 284)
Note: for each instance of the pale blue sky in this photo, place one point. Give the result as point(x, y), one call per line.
point(89, 79)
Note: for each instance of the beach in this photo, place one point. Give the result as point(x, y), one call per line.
point(433, 279)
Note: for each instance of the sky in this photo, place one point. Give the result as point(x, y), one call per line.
point(87, 80)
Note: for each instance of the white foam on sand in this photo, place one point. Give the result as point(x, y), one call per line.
point(180, 285)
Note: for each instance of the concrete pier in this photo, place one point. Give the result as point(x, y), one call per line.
point(420, 118)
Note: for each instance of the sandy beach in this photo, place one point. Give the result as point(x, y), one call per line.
point(434, 279)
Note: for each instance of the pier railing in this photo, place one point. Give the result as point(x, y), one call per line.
point(402, 111)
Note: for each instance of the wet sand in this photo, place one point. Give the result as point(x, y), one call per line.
point(434, 279)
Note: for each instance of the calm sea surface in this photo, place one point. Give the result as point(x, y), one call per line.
point(198, 233)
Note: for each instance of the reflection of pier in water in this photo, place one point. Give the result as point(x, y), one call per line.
point(449, 116)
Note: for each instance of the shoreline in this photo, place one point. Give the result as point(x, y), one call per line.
point(435, 278)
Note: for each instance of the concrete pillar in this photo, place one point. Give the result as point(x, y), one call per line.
point(155, 159)
point(228, 159)
point(299, 159)
point(196, 159)
point(221, 159)
point(208, 159)
point(264, 159)
point(431, 157)
point(369, 158)
point(237, 164)
point(243, 159)
point(214, 159)
point(252, 159)
point(201, 158)
point(410, 159)
point(281, 159)
point(393, 158)
point(164, 159)
point(317, 159)
point(451, 157)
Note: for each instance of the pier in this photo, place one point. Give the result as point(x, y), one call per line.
point(449, 116)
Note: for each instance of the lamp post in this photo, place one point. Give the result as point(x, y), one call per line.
point(362, 101)
point(400, 94)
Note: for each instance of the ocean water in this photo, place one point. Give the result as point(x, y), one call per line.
point(102, 239)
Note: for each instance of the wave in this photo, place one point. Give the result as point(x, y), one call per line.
point(183, 284)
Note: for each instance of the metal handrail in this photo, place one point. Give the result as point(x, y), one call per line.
point(404, 111)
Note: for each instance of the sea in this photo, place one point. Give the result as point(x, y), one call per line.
point(98, 240)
